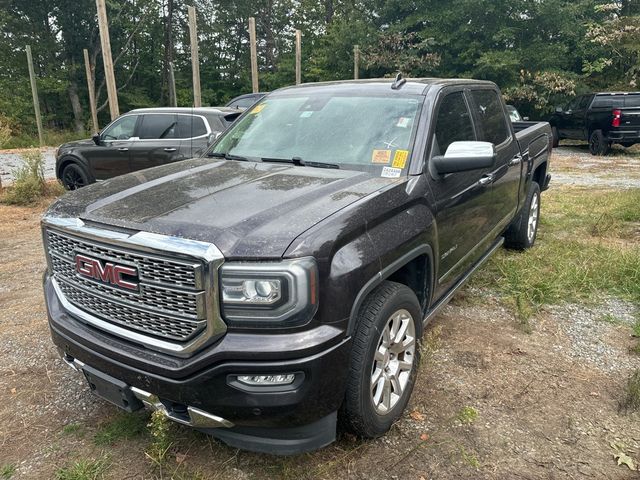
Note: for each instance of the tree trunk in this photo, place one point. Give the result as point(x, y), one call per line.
point(270, 40)
point(328, 11)
point(78, 124)
point(168, 55)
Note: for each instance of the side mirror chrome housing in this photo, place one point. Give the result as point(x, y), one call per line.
point(559, 109)
point(96, 138)
point(465, 156)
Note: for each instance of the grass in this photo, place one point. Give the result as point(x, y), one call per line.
point(29, 185)
point(72, 428)
point(84, 470)
point(162, 440)
point(123, 427)
point(7, 471)
point(52, 138)
point(587, 248)
point(467, 415)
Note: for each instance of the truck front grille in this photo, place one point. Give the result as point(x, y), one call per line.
point(170, 301)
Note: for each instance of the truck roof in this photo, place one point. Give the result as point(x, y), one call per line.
point(412, 85)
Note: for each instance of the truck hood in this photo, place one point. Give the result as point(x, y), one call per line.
point(247, 209)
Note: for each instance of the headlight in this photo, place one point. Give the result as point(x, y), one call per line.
point(269, 294)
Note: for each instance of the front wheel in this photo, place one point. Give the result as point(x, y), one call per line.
point(74, 177)
point(384, 360)
point(522, 234)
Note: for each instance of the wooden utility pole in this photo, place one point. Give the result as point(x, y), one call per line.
point(254, 54)
point(34, 93)
point(92, 92)
point(112, 91)
point(173, 99)
point(195, 60)
point(356, 62)
point(298, 57)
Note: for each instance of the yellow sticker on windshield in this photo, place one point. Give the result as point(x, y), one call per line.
point(381, 156)
point(400, 158)
point(258, 108)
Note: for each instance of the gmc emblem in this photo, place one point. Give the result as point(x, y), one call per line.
point(107, 273)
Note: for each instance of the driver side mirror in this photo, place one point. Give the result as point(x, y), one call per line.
point(96, 138)
point(465, 156)
point(213, 136)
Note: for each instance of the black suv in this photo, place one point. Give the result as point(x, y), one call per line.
point(600, 118)
point(140, 139)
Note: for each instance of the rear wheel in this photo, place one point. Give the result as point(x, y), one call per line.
point(74, 177)
point(628, 144)
point(384, 360)
point(598, 144)
point(555, 137)
point(521, 235)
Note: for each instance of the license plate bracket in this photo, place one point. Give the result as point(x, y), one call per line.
point(111, 389)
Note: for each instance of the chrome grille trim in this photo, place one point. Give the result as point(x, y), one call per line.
point(176, 318)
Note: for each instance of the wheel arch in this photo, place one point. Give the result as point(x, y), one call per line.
point(414, 269)
point(69, 159)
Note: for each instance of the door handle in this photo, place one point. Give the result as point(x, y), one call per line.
point(486, 179)
point(168, 149)
point(515, 160)
point(123, 149)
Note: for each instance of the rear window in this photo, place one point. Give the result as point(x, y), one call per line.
point(493, 123)
point(608, 101)
point(632, 101)
point(190, 126)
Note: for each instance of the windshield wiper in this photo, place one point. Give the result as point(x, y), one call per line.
point(302, 163)
point(227, 156)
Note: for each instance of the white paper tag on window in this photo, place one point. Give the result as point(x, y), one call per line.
point(390, 172)
point(403, 122)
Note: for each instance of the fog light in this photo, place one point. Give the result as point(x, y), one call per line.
point(257, 380)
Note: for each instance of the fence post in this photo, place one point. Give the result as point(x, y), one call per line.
point(195, 60)
point(34, 93)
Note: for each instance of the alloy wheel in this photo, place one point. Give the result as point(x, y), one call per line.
point(393, 361)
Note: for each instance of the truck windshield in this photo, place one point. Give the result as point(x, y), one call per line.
point(366, 133)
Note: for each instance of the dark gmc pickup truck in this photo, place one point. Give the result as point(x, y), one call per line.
point(283, 282)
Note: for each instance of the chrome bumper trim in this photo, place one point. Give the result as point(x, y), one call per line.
point(197, 418)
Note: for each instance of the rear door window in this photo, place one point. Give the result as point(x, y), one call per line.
point(158, 126)
point(453, 123)
point(489, 112)
point(190, 126)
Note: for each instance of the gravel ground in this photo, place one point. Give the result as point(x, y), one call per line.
point(12, 159)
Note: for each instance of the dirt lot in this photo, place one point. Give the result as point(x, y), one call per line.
point(493, 400)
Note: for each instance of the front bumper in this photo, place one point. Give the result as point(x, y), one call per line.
point(281, 421)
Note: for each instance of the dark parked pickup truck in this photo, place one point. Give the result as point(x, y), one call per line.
point(284, 282)
point(600, 118)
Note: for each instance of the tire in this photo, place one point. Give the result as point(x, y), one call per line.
point(522, 234)
point(627, 144)
point(555, 137)
point(367, 410)
point(74, 177)
point(598, 144)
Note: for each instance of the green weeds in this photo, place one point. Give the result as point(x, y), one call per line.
point(84, 470)
point(123, 426)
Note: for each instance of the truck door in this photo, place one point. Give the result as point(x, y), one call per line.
point(577, 120)
point(463, 203)
point(491, 120)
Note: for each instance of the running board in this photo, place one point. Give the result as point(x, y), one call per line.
point(445, 300)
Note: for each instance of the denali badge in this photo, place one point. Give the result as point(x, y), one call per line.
point(108, 272)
